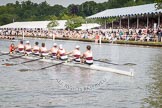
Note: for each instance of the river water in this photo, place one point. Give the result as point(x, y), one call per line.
point(72, 87)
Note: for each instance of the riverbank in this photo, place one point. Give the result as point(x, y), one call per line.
point(155, 44)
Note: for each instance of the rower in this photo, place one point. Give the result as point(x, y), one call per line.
point(87, 56)
point(28, 48)
point(20, 47)
point(43, 50)
point(76, 53)
point(54, 51)
point(36, 49)
point(12, 48)
point(61, 53)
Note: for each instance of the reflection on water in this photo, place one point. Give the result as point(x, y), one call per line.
point(51, 87)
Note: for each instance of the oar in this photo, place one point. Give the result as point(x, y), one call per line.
point(16, 57)
point(51, 66)
point(130, 64)
point(13, 58)
point(8, 64)
point(4, 54)
point(30, 61)
point(105, 62)
point(41, 68)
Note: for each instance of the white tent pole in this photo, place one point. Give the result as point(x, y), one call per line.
point(112, 25)
point(158, 20)
point(105, 23)
point(147, 21)
point(137, 22)
point(128, 22)
point(23, 34)
point(120, 23)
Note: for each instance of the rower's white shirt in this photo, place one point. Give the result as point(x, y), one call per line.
point(88, 54)
point(62, 53)
point(20, 46)
point(54, 50)
point(43, 49)
point(76, 52)
point(36, 49)
point(28, 47)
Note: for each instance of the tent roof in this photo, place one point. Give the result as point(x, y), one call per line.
point(88, 26)
point(34, 24)
point(127, 11)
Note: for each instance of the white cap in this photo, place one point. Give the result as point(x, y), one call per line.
point(27, 42)
point(60, 46)
point(77, 46)
point(55, 44)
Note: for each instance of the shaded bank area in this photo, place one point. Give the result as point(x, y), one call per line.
point(155, 44)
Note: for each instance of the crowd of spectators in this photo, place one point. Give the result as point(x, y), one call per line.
point(105, 34)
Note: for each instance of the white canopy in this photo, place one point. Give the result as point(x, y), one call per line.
point(127, 11)
point(88, 26)
point(34, 25)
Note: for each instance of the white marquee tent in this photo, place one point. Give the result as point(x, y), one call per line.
point(34, 25)
point(88, 26)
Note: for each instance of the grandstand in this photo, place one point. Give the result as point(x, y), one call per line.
point(135, 17)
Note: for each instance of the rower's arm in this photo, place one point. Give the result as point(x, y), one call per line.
point(68, 53)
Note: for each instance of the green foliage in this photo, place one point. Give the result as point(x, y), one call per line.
point(158, 4)
point(29, 11)
point(75, 22)
point(53, 22)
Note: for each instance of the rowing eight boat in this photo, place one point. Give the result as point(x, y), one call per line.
point(93, 67)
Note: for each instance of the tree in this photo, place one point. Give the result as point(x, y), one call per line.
point(53, 22)
point(7, 18)
point(65, 17)
point(75, 22)
point(158, 4)
point(73, 9)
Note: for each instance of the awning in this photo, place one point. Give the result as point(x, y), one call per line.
point(127, 11)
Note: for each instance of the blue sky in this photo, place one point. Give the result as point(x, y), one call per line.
point(53, 2)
